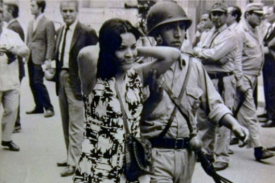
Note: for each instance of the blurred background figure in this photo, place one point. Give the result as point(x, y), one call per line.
point(11, 13)
point(40, 40)
point(269, 67)
point(202, 28)
point(11, 46)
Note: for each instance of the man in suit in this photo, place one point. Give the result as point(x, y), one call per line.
point(40, 40)
point(10, 13)
point(11, 46)
point(269, 68)
point(71, 38)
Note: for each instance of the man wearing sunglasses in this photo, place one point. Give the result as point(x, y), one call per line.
point(218, 52)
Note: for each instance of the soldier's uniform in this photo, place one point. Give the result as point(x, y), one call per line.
point(252, 62)
point(218, 50)
point(179, 162)
point(173, 160)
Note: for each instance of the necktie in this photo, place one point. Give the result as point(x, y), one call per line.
point(63, 45)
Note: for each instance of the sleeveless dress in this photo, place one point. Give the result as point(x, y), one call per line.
point(102, 155)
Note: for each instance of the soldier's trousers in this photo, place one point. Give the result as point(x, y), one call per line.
point(216, 139)
point(247, 115)
point(173, 165)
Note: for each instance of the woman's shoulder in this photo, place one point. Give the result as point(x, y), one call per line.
point(89, 52)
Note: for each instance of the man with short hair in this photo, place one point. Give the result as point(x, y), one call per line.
point(11, 12)
point(174, 162)
point(202, 28)
point(40, 40)
point(11, 46)
point(252, 62)
point(218, 52)
point(71, 38)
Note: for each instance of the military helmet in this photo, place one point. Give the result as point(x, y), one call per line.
point(165, 12)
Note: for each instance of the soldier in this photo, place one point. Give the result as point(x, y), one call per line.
point(218, 52)
point(167, 22)
point(252, 62)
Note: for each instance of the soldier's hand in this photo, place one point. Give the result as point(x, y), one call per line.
point(154, 82)
point(48, 64)
point(241, 133)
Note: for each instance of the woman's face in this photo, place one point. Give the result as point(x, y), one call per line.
point(127, 52)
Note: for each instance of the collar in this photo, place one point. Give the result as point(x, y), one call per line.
point(10, 22)
point(221, 28)
point(39, 17)
point(73, 25)
point(181, 61)
point(233, 26)
point(4, 31)
point(248, 27)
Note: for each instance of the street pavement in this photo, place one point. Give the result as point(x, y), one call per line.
point(42, 146)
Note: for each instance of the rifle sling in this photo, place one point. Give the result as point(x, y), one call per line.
point(183, 90)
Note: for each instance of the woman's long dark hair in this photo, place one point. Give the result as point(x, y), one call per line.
point(109, 42)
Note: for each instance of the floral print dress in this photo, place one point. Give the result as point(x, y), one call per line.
point(103, 146)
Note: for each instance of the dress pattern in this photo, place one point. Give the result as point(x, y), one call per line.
point(103, 146)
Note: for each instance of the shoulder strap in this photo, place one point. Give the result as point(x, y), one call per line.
point(124, 115)
point(183, 90)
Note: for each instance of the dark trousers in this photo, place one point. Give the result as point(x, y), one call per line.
point(39, 90)
point(269, 86)
point(17, 122)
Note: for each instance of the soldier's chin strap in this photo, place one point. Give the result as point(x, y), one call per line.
point(205, 163)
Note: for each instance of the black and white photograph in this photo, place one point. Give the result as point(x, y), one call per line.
point(137, 91)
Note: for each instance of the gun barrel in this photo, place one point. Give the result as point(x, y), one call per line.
point(127, 6)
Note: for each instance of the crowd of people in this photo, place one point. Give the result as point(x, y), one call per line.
point(163, 92)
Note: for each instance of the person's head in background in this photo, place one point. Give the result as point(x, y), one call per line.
point(205, 23)
point(218, 14)
point(69, 11)
point(270, 14)
point(234, 15)
point(37, 7)
point(254, 14)
point(118, 51)
point(10, 11)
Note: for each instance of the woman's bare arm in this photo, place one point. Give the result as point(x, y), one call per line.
point(165, 57)
point(87, 64)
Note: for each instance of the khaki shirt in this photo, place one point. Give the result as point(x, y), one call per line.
point(200, 92)
point(252, 55)
point(219, 49)
point(238, 72)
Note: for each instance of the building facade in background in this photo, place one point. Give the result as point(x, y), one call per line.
point(95, 12)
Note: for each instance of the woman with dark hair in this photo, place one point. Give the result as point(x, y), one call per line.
point(115, 67)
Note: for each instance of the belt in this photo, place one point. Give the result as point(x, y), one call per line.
point(178, 143)
point(219, 75)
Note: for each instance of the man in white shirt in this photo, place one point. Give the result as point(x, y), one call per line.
point(11, 46)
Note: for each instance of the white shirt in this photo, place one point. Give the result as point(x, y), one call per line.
point(35, 22)
point(69, 38)
point(9, 73)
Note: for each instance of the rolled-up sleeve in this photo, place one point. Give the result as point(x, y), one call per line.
point(212, 103)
